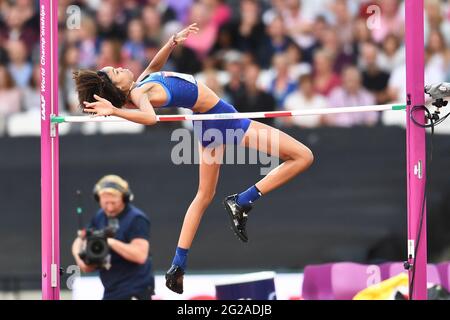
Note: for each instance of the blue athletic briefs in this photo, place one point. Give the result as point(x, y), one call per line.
point(182, 92)
point(213, 133)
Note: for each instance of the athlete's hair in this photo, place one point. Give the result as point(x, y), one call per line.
point(89, 82)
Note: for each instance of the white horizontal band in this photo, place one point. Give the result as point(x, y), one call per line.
point(244, 115)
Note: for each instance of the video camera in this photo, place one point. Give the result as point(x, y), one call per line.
point(96, 251)
point(438, 92)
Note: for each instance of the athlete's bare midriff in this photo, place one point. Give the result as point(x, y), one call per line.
point(205, 101)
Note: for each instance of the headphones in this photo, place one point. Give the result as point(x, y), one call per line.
point(116, 183)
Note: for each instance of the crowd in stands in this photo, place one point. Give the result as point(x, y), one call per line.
point(258, 55)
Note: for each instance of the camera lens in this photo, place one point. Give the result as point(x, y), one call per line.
point(97, 247)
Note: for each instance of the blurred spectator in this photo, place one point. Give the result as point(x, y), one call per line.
point(16, 27)
point(211, 78)
point(134, 48)
point(397, 80)
point(203, 41)
point(31, 94)
point(341, 55)
point(210, 66)
point(343, 21)
point(181, 9)
point(164, 10)
point(185, 60)
point(436, 64)
point(151, 49)
point(276, 42)
point(247, 33)
point(29, 11)
point(361, 35)
point(393, 54)
point(182, 58)
point(436, 49)
point(374, 78)
point(351, 94)
point(391, 20)
point(87, 43)
point(220, 11)
point(224, 43)
point(4, 59)
point(320, 26)
point(4, 5)
point(435, 19)
point(437, 56)
point(107, 25)
point(298, 24)
point(110, 54)
point(151, 24)
point(304, 98)
point(69, 62)
point(19, 66)
point(325, 79)
point(131, 9)
point(248, 58)
point(274, 9)
point(10, 97)
point(254, 98)
point(281, 85)
point(235, 86)
point(297, 67)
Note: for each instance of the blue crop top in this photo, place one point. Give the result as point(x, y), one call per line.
point(181, 89)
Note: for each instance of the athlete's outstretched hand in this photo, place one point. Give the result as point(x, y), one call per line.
point(181, 36)
point(101, 107)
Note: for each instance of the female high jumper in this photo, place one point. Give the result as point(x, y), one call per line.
point(106, 91)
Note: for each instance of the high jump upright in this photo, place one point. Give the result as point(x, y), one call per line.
point(415, 144)
point(48, 10)
point(416, 149)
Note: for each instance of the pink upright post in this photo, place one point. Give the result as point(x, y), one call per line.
point(49, 149)
point(416, 148)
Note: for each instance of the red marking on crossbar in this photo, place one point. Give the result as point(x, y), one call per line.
point(172, 119)
point(278, 114)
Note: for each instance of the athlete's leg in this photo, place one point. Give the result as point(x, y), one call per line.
point(296, 156)
point(210, 161)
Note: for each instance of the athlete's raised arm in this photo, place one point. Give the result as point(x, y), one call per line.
point(163, 54)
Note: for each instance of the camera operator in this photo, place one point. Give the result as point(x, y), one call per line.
point(124, 261)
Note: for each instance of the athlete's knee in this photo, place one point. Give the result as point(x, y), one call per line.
point(301, 153)
point(304, 157)
point(308, 157)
